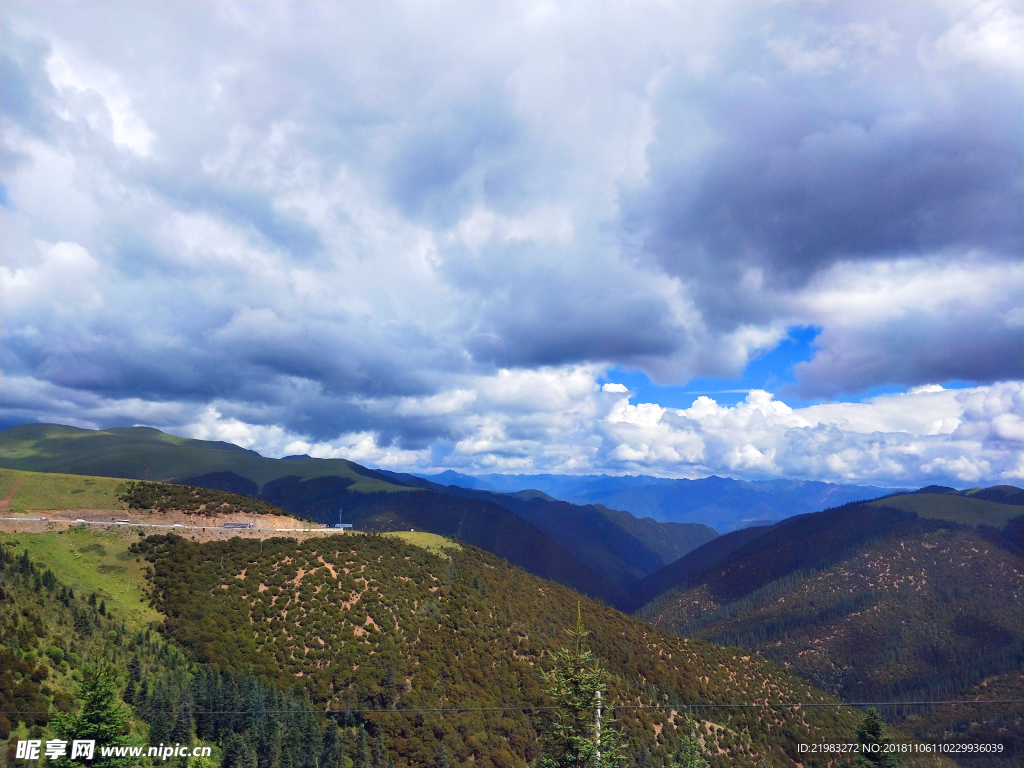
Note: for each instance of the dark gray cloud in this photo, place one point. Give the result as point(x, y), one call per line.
point(331, 217)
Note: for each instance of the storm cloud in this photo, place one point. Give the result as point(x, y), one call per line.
point(414, 227)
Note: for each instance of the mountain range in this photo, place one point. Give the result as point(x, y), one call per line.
point(597, 551)
point(721, 503)
point(913, 596)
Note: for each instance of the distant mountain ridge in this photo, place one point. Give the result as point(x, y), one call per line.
point(597, 551)
point(721, 503)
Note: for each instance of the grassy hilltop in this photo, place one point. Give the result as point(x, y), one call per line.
point(24, 491)
point(143, 453)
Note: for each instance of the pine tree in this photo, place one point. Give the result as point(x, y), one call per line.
point(690, 754)
point(131, 688)
point(102, 719)
point(362, 758)
point(238, 752)
point(333, 749)
point(871, 736)
point(441, 757)
point(578, 733)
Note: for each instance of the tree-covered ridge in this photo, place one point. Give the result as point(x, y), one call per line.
point(162, 497)
point(391, 633)
point(922, 614)
point(983, 722)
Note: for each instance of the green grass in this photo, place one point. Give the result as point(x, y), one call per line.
point(91, 559)
point(428, 541)
point(956, 509)
point(50, 490)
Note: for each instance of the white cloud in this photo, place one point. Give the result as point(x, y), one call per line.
point(560, 420)
point(110, 112)
point(64, 281)
point(272, 224)
point(560, 424)
point(988, 33)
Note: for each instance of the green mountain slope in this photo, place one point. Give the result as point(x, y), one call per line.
point(619, 546)
point(869, 602)
point(692, 564)
point(968, 510)
point(392, 634)
point(43, 491)
point(53, 632)
point(23, 491)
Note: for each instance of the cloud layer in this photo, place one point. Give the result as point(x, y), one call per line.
point(414, 223)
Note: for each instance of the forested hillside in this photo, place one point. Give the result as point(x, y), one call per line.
point(53, 639)
point(619, 546)
point(871, 603)
point(389, 634)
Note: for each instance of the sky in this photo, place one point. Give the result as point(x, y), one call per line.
point(749, 239)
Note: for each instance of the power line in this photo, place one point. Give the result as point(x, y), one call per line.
point(529, 708)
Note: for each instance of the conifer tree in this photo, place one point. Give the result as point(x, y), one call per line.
point(378, 748)
point(441, 757)
point(690, 754)
point(578, 733)
point(333, 749)
point(238, 752)
point(102, 719)
point(873, 740)
point(362, 758)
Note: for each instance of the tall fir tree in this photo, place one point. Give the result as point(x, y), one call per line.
point(874, 743)
point(578, 733)
point(102, 719)
point(239, 752)
point(362, 757)
point(333, 750)
point(441, 757)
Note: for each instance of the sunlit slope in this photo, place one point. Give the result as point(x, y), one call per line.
point(326, 491)
point(145, 453)
point(23, 491)
point(372, 625)
point(50, 633)
point(46, 491)
point(93, 560)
